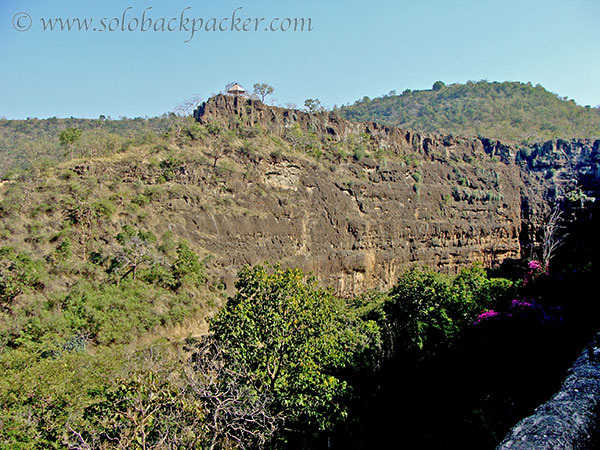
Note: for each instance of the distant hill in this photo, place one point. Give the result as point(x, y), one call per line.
point(36, 141)
point(509, 111)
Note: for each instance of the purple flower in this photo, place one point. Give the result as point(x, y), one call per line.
point(521, 304)
point(535, 265)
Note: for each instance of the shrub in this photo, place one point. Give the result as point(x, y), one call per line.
point(141, 200)
point(170, 167)
point(104, 208)
point(63, 251)
point(99, 311)
point(359, 152)
point(187, 266)
point(17, 273)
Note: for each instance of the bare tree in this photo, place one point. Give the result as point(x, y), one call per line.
point(236, 405)
point(33, 152)
point(186, 107)
point(135, 253)
point(181, 116)
point(142, 412)
point(551, 239)
point(83, 217)
point(212, 405)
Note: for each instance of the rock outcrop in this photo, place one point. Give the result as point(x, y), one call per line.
point(569, 420)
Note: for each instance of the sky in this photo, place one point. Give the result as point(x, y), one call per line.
point(143, 59)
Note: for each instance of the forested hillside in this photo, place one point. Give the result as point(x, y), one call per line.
point(508, 110)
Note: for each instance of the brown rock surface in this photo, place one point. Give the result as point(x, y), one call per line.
point(358, 222)
point(438, 200)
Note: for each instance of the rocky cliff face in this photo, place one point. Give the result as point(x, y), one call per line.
point(402, 198)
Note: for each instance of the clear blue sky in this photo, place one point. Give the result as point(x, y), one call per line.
point(356, 48)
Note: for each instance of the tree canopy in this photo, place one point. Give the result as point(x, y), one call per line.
point(284, 329)
point(263, 90)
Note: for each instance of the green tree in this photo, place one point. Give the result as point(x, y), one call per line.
point(313, 105)
point(506, 111)
point(418, 309)
point(284, 330)
point(438, 85)
point(68, 137)
point(263, 90)
point(427, 310)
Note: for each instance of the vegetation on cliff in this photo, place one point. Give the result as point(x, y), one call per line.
point(508, 111)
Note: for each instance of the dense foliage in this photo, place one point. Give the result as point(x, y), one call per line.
point(287, 364)
point(507, 110)
point(287, 334)
point(428, 310)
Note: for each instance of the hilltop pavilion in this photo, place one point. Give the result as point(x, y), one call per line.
point(236, 90)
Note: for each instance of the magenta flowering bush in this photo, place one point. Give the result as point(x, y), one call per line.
point(487, 315)
point(536, 269)
point(524, 309)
